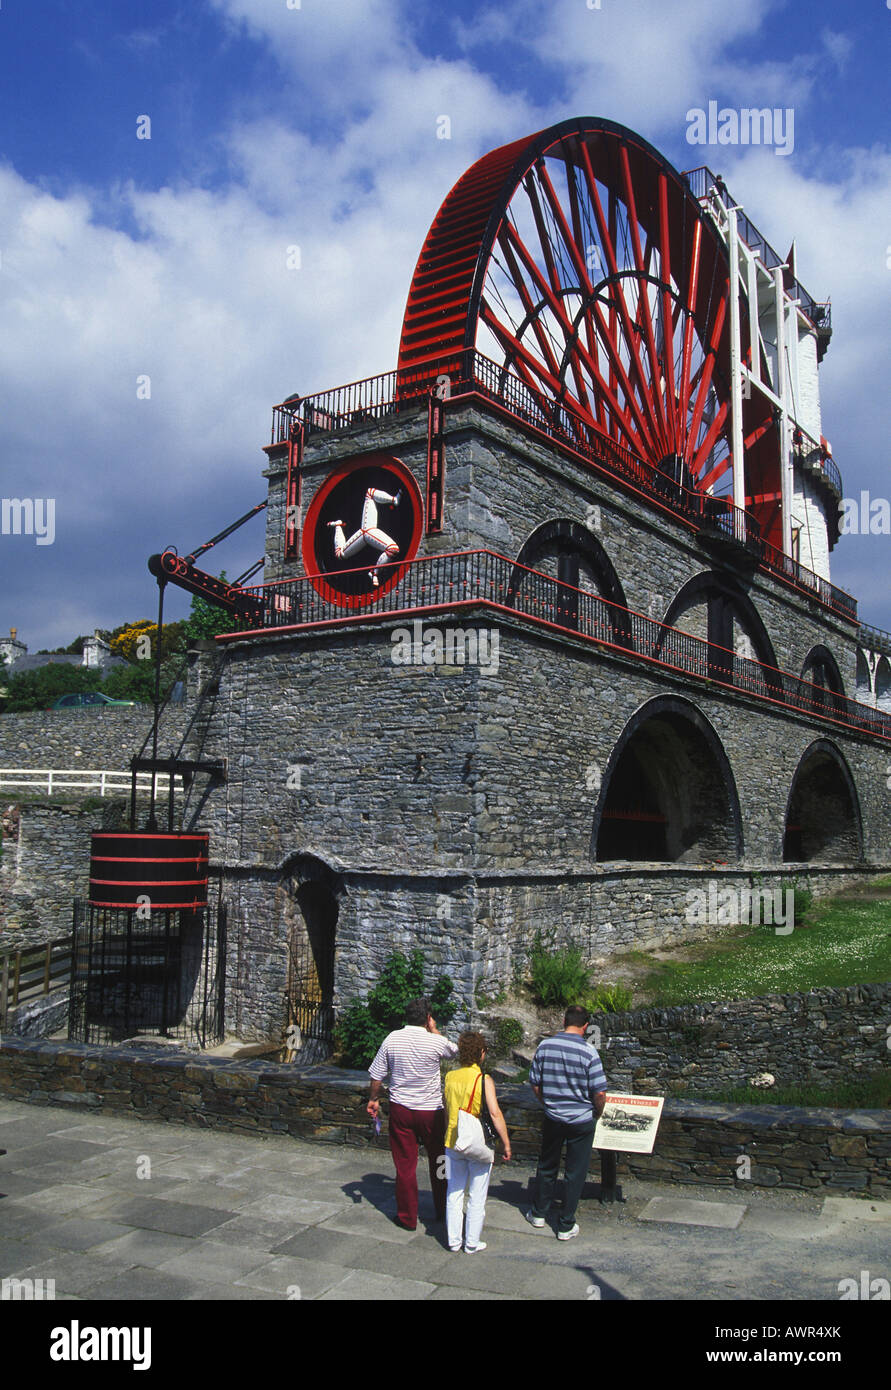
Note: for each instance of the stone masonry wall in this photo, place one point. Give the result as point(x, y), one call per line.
point(95, 739)
point(800, 1149)
point(455, 808)
point(820, 1037)
point(46, 865)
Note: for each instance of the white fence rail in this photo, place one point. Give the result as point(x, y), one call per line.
point(54, 779)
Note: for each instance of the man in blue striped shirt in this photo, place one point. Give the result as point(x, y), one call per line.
point(567, 1077)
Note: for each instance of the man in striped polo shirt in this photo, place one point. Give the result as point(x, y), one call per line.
point(567, 1077)
point(411, 1056)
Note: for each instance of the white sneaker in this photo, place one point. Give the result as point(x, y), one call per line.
point(474, 1249)
point(536, 1221)
point(568, 1235)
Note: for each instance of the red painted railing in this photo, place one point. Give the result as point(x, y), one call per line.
point(464, 579)
point(379, 397)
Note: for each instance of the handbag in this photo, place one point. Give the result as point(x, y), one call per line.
point(471, 1140)
point(489, 1131)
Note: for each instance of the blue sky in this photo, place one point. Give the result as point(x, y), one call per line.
point(273, 126)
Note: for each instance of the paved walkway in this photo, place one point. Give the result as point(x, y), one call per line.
point(114, 1208)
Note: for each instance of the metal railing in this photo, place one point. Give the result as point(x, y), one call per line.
point(874, 639)
point(471, 578)
point(778, 562)
point(32, 972)
point(389, 394)
point(54, 779)
point(702, 183)
point(812, 453)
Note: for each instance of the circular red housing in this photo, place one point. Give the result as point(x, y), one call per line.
point(347, 581)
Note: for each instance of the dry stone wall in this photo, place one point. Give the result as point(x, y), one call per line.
point(697, 1143)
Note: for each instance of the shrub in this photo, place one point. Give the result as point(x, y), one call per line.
point(609, 999)
point(364, 1024)
point(508, 1033)
point(557, 977)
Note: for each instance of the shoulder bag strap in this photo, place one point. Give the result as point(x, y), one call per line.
point(469, 1106)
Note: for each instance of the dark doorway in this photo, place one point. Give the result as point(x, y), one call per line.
point(310, 993)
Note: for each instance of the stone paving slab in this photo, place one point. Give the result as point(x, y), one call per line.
point(82, 1233)
point(75, 1276)
point(381, 1288)
point(143, 1247)
point(793, 1225)
point(856, 1209)
point(686, 1211)
point(206, 1194)
point(281, 1207)
point(176, 1218)
point(59, 1199)
point(216, 1263)
point(257, 1233)
point(285, 1275)
point(138, 1284)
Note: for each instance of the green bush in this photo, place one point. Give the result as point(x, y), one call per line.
point(508, 1033)
point(364, 1024)
point(557, 977)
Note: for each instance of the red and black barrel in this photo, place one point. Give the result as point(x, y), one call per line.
point(169, 870)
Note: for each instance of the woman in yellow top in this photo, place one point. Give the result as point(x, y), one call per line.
point(467, 1173)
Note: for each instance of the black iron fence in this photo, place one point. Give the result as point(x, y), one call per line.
point(136, 978)
point(440, 582)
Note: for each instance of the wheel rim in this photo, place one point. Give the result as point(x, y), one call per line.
point(579, 261)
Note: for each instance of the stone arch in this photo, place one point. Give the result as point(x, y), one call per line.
point(820, 670)
point(883, 683)
point(578, 555)
point(310, 893)
point(730, 613)
point(668, 792)
point(823, 821)
point(863, 678)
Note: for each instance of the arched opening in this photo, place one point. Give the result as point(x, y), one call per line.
point(570, 553)
point(739, 651)
point(883, 683)
point(311, 911)
point(863, 678)
point(668, 794)
point(823, 820)
point(823, 679)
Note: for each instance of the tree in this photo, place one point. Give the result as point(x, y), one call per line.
point(41, 688)
point(206, 620)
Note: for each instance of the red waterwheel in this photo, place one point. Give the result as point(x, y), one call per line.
point(578, 261)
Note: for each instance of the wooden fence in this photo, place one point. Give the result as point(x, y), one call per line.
point(30, 973)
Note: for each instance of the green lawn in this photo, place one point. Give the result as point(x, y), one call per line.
point(871, 1093)
point(840, 943)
